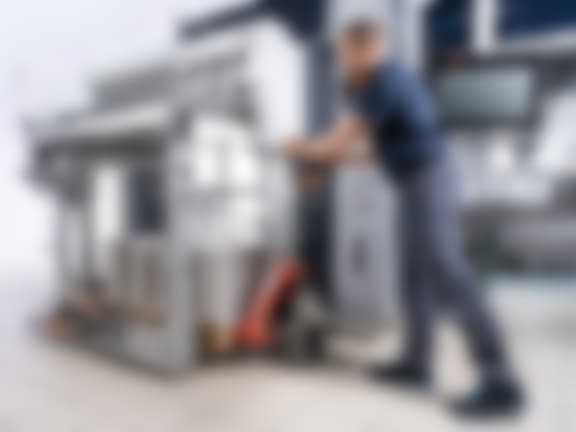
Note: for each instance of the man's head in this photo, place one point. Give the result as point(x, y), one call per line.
point(362, 48)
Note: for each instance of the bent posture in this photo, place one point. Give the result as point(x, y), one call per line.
point(393, 108)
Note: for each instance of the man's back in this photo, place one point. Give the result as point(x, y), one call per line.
point(400, 114)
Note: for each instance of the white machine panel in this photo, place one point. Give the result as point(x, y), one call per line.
point(365, 262)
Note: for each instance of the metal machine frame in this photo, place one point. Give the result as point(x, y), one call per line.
point(117, 125)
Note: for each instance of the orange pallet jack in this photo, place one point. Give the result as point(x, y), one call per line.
point(289, 289)
point(256, 331)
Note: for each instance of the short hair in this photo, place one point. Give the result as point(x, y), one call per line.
point(363, 30)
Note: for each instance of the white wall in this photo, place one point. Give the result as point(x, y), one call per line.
point(48, 51)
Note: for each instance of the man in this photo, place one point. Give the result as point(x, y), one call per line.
point(394, 110)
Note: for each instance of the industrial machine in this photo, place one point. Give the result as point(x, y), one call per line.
point(168, 198)
point(505, 86)
point(172, 204)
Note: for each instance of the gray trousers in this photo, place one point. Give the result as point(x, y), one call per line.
point(436, 271)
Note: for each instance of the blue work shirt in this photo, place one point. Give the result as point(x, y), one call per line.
point(402, 119)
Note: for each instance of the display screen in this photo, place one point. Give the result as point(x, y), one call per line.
point(487, 95)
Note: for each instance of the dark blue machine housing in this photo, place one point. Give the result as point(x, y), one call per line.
point(305, 18)
point(532, 17)
point(450, 26)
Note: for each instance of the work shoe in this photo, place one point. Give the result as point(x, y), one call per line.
point(402, 375)
point(491, 399)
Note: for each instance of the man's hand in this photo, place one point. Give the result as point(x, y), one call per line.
point(329, 147)
point(296, 148)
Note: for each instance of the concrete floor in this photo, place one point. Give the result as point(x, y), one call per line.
point(46, 388)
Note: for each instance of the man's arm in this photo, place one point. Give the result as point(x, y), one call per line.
point(332, 145)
